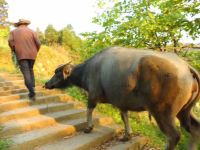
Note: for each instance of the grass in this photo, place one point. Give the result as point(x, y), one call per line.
point(4, 143)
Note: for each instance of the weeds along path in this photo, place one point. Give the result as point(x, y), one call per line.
point(54, 121)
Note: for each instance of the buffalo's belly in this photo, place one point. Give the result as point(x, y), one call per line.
point(129, 101)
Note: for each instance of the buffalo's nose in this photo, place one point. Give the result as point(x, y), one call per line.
point(45, 85)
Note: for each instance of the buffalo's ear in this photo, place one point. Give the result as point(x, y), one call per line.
point(67, 70)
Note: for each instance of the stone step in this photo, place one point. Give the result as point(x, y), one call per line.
point(29, 140)
point(41, 121)
point(34, 110)
point(11, 105)
point(136, 143)
point(80, 123)
point(17, 91)
point(10, 78)
point(10, 83)
point(82, 141)
point(67, 115)
point(13, 87)
point(52, 97)
point(6, 76)
point(19, 96)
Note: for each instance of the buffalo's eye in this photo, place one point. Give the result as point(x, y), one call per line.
point(59, 75)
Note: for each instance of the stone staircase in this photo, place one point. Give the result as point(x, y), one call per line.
point(54, 121)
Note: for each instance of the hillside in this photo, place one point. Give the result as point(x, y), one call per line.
point(48, 59)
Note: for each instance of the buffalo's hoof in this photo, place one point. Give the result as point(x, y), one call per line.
point(125, 138)
point(88, 129)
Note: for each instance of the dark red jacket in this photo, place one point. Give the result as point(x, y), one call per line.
point(24, 42)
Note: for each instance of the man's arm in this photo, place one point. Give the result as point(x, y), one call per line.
point(37, 41)
point(11, 42)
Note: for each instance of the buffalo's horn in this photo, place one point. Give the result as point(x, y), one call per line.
point(68, 62)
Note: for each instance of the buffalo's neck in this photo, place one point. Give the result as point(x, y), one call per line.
point(76, 78)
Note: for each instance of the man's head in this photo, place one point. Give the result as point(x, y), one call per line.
point(22, 22)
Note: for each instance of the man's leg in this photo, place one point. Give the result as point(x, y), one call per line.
point(25, 69)
point(31, 64)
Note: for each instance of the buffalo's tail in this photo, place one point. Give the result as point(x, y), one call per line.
point(188, 121)
point(194, 122)
point(197, 77)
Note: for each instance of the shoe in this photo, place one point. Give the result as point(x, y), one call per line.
point(32, 98)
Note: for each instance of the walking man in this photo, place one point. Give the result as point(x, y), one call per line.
point(25, 44)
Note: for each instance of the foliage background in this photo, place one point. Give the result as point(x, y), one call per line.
point(155, 24)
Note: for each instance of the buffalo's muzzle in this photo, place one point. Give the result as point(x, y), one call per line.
point(46, 86)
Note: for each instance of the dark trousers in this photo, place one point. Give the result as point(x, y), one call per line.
point(26, 67)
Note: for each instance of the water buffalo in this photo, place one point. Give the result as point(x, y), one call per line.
point(138, 80)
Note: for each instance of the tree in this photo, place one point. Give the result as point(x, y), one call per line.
point(152, 23)
point(51, 35)
point(4, 29)
point(41, 35)
point(69, 39)
point(3, 13)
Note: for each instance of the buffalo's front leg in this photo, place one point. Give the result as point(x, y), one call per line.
point(90, 109)
point(90, 125)
point(124, 116)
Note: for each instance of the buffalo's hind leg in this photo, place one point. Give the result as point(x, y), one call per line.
point(190, 124)
point(124, 116)
point(195, 132)
point(167, 125)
